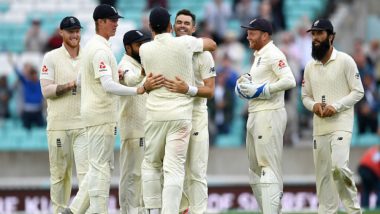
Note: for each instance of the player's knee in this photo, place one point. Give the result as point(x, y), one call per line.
point(268, 176)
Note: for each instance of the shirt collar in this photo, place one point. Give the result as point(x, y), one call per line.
point(162, 35)
point(67, 53)
point(263, 49)
point(332, 57)
point(102, 40)
point(132, 60)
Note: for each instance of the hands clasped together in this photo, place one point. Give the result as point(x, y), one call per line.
point(323, 110)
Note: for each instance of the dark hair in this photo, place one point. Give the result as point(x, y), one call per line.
point(159, 30)
point(186, 13)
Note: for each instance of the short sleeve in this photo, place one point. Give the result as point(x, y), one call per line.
point(101, 64)
point(207, 65)
point(47, 69)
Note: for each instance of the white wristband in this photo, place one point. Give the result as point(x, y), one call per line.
point(192, 91)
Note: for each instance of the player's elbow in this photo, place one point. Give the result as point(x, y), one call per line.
point(293, 83)
point(209, 44)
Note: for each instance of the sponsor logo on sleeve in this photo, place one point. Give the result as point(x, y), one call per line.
point(212, 70)
point(303, 83)
point(281, 64)
point(102, 66)
point(44, 69)
point(357, 75)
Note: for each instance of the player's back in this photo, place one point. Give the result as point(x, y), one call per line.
point(171, 57)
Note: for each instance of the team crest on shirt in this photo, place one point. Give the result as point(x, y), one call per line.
point(303, 83)
point(258, 62)
point(44, 69)
point(281, 64)
point(102, 66)
point(357, 75)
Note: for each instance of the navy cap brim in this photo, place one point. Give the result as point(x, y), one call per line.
point(247, 27)
point(316, 29)
point(143, 39)
point(72, 28)
point(116, 17)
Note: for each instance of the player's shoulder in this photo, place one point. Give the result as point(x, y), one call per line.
point(346, 58)
point(53, 56)
point(146, 46)
point(125, 62)
point(53, 53)
point(204, 56)
point(309, 65)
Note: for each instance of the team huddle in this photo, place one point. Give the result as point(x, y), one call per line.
point(156, 96)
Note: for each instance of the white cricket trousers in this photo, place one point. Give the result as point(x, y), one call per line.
point(166, 148)
point(131, 157)
point(65, 147)
point(334, 178)
point(264, 144)
point(94, 190)
point(195, 186)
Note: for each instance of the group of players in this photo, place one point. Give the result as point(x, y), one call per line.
point(157, 97)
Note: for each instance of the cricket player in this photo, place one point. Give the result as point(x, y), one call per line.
point(131, 124)
point(99, 85)
point(195, 186)
point(330, 89)
point(169, 114)
point(264, 87)
point(65, 130)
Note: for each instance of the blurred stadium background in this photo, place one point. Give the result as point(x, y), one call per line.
point(27, 30)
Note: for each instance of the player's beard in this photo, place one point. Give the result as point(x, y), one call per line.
point(318, 52)
point(135, 55)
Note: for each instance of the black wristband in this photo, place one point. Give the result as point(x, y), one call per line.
point(145, 89)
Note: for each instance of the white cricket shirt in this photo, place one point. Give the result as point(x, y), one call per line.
point(63, 112)
point(270, 66)
point(170, 56)
point(339, 81)
point(204, 68)
point(97, 106)
point(132, 108)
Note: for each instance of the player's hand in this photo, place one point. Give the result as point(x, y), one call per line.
point(245, 78)
point(253, 91)
point(318, 109)
point(71, 85)
point(328, 111)
point(140, 90)
point(153, 82)
point(121, 74)
point(177, 85)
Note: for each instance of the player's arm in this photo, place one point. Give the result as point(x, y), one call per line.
point(307, 95)
point(129, 75)
point(206, 70)
point(51, 90)
point(209, 44)
point(180, 86)
point(153, 82)
point(48, 86)
point(265, 90)
point(355, 85)
point(284, 74)
point(103, 72)
point(199, 44)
